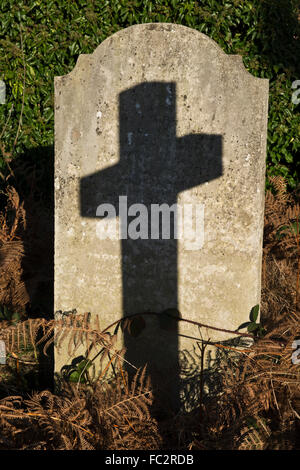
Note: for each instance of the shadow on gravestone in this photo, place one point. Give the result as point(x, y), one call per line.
point(154, 167)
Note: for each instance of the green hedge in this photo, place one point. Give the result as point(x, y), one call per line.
point(264, 32)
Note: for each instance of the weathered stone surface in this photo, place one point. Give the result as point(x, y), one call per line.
point(161, 114)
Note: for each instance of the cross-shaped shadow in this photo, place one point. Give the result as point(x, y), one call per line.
point(154, 167)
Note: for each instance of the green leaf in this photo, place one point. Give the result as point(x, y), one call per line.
point(84, 365)
point(74, 376)
point(252, 327)
point(280, 232)
point(243, 325)
point(16, 317)
point(261, 331)
point(296, 227)
point(252, 422)
point(254, 313)
point(30, 71)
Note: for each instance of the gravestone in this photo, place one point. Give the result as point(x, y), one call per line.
point(160, 144)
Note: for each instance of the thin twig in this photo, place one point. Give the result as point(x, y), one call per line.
point(179, 319)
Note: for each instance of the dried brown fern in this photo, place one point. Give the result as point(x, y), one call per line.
point(281, 214)
point(262, 384)
point(13, 293)
point(126, 409)
point(259, 407)
point(71, 332)
point(110, 417)
point(281, 258)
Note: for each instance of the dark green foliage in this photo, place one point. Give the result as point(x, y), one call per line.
point(255, 328)
point(264, 32)
point(77, 371)
point(8, 315)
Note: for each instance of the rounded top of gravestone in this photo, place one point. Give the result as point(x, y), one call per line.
point(149, 37)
